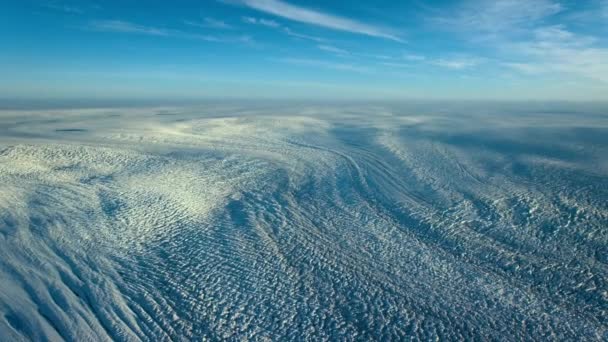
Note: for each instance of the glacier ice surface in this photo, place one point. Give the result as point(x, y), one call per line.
point(305, 222)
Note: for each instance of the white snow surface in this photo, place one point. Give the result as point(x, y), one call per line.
point(305, 222)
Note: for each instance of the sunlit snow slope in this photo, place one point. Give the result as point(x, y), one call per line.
point(305, 222)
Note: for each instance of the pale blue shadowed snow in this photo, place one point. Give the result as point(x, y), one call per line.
point(305, 222)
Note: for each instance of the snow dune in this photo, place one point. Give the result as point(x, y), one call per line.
point(289, 222)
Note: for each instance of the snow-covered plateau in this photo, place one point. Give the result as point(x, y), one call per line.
point(444, 221)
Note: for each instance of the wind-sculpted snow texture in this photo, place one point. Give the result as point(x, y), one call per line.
point(305, 222)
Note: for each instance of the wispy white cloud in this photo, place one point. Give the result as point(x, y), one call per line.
point(70, 7)
point(210, 23)
point(397, 65)
point(526, 68)
point(409, 60)
point(333, 49)
point(326, 65)
point(119, 26)
point(286, 30)
point(500, 16)
point(413, 57)
point(521, 31)
point(593, 13)
point(65, 8)
point(557, 50)
point(376, 56)
point(294, 34)
point(314, 17)
point(261, 21)
point(458, 63)
point(559, 35)
point(127, 27)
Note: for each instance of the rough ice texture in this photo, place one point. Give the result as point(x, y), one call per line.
point(305, 222)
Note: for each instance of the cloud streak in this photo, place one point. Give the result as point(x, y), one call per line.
point(261, 21)
point(286, 30)
point(500, 16)
point(456, 63)
point(326, 65)
point(333, 49)
point(119, 26)
point(210, 23)
point(555, 49)
point(294, 34)
point(65, 8)
point(313, 17)
point(524, 33)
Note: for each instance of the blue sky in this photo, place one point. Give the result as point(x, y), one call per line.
point(468, 49)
